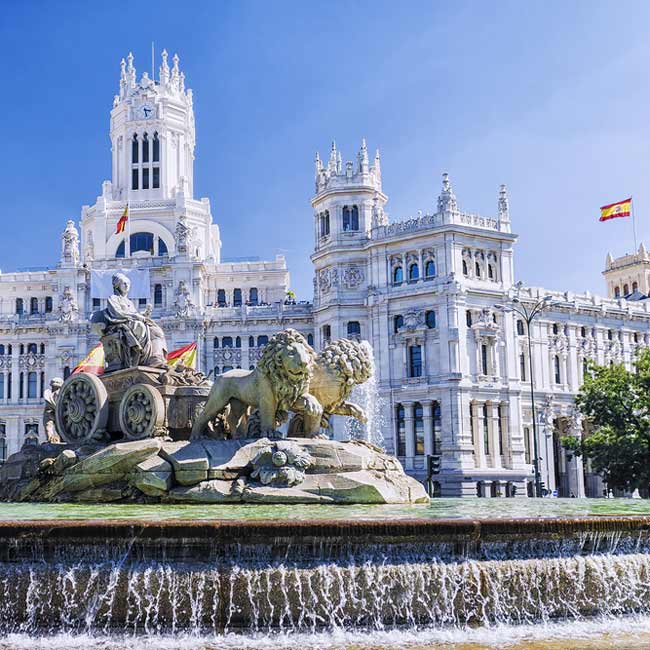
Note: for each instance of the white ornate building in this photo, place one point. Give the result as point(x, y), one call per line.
point(452, 370)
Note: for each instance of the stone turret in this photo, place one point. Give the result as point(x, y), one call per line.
point(628, 275)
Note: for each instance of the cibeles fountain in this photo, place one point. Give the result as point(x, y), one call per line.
point(145, 432)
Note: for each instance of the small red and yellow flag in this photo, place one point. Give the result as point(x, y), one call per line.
point(121, 224)
point(186, 356)
point(615, 210)
point(93, 363)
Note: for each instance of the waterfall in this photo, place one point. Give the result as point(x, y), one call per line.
point(367, 396)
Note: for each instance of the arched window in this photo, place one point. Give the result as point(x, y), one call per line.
point(221, 297)
point(252, 296)
point(264, 339)
point(326, 331)
point(9, 349)
point(398, 321)
point(162, 248)
point(635, 286)
point(350, 218)
point(157, 295)
point(465, 271)
point(33, 305)
point(42, 391)
point(227, 369)
point(251, 341)
point(32, 385)
point(215, 342)
point(398, 275)
point(468, 318)
point(236, 298)
point(22, 349)
point(555, 330)
point(617, 292)
point(20, 308)
point(121, 250)
point(226, 342)
point(354, 328)
point(610, 335)
point(324, 218)
point(520, 327)
point(2, 348)
point(32, 348)
point(156, 148)
point(626, 289)
point(145, 148)
point(238, 342)
point(430, 269)
point(477, 270)
point(310, 339)
point(583, 332)
point(636, 337)
point(400, 421)
point(430, 319)
point(556, 366)
point(134, 152)
point(418, 421)
point(141, 241)
point(48, 304)
point(490, 272)
point(414, 272)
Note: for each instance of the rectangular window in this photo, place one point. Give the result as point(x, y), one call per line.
point(2, 385)
point(145, 149)
point(96, 303)
point(419, 430)
point(471, 427)
point(21, 386)
point(522, 366)
point(156, 178)
point(48, 304)
point(134, 179)
point(142, 302)
point(415, 361)
point(437, 428)
point(145, 178)
point(31, 385)
point(484, 359)
point(401, 432)
point(9, 386)
point(527, 445)
point(502, 441)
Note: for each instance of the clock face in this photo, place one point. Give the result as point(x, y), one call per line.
point(145, 112)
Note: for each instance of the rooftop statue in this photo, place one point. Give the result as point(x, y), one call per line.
point(130, 338)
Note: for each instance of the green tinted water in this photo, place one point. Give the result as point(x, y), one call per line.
point(467, 508)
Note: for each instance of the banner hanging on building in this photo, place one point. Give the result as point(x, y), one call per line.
point(101, 283)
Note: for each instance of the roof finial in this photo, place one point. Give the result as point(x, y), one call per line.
point(331, 165)
point(447, 198)
point(175, 71)
point(363, 157)
point(164, 69)
point(504, 205)
point(130, 69)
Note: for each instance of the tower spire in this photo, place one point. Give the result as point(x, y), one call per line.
point(164, 69)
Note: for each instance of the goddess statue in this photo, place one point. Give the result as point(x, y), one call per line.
point(130, 338)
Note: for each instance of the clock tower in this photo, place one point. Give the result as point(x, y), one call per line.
point(152, 134)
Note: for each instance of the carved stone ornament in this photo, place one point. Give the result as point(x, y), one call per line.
point(324, 280)
point(184, 235)
point(413, 319)
point(183, 304)
point(68, 308)
point(281, 463)
point(352, 276)
point(70, 244)
point(90, 247)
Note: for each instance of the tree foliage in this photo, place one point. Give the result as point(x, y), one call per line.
point(616, 403)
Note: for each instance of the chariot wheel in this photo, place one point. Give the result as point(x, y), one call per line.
point(82, 409)
point(142, 412)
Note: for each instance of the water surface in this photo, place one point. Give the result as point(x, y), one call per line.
point(465, 508)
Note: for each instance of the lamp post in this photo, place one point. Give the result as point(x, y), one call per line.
point(528, 314)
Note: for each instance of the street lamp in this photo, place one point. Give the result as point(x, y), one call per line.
point(528, 313)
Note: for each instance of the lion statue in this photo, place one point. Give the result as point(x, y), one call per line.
point(341, 366)
point(279, 383)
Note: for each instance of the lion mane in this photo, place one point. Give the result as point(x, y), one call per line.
point(349, 361)
point(287, 388)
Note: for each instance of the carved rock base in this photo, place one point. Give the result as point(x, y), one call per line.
point(210, 471)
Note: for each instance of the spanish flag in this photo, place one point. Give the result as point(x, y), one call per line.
point(186, 356)
point(93, 362)
point(615, 210)
point(121, 224)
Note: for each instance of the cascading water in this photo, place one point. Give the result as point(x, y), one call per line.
point(367, 396)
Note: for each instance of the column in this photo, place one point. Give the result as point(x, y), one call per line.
point(427, 408)
point(479, 455)
point(409, 432)
point(506, 452)
point(495, 443)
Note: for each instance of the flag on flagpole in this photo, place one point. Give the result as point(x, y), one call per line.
point(616, 210)
point(93, 363)
point(121, 224)
point(186, 356)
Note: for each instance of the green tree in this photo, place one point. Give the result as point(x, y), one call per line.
point(617, 405)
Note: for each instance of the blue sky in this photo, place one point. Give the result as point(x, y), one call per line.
point(551, 98)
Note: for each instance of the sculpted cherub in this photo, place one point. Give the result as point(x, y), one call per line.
point(279, 383)
point(341, 366)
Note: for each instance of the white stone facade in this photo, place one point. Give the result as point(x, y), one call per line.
point(452, 369)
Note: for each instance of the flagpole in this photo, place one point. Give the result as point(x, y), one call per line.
point(634, 224)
